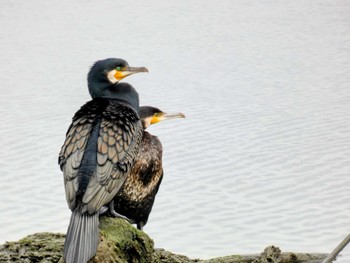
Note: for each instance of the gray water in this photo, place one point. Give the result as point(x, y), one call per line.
point(263, 156)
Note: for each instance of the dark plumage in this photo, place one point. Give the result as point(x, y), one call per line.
point(135, 199)
point(98, 153)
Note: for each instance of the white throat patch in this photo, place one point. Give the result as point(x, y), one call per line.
point(110, 76)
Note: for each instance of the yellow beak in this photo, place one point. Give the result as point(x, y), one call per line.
point(126, 71)
point(166, 116)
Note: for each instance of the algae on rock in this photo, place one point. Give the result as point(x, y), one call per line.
point(124, 242)
point(40, 247)
point(120, 242)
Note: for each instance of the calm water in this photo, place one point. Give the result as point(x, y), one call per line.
point(263, 156)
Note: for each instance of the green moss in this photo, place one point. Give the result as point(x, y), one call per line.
point(126, 242)
point(41, 247)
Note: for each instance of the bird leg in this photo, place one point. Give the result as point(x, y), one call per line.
point(140, 226)
point(115, 214)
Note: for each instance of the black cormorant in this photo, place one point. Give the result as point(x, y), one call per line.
point(98, 153)
point(136, 197)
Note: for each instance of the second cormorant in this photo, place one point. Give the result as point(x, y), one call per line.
point(135, 199)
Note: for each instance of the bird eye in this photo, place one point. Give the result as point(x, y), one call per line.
point(118, 68)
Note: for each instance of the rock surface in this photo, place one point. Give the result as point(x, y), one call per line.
point(120, 242)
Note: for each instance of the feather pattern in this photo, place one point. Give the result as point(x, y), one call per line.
point(136, 197)
point(82, 238)
point(119, 135)
point(96, 158)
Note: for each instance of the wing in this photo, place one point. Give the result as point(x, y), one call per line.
point(71, 155)
point(117, 146)
point(119, 135)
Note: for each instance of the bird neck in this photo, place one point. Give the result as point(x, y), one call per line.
point(145, 123)
point(99, 88)
point(118, 91)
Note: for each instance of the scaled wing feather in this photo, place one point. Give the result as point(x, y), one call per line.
point(109, 176)
point(71, 155)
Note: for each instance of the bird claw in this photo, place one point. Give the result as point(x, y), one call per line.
point(115, 214)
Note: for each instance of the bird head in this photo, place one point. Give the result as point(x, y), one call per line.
point(105, 74)
point(151, 115)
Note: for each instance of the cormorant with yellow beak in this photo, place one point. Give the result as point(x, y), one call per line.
point(98, 153)
point(135, 199)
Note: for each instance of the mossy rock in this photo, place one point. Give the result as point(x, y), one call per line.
point(40, 247)
point(120, 242)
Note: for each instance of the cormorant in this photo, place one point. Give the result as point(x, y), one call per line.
point(98, 153)
point(136, 197)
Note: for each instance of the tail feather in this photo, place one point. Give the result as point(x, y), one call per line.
point(82, 238)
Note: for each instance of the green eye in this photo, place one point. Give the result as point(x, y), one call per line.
point(118, 68)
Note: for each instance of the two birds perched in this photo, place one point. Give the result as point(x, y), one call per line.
point(108, 159)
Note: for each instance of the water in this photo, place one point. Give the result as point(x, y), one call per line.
point(263, 156)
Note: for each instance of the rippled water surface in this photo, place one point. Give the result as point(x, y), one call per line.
point(263, 156)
